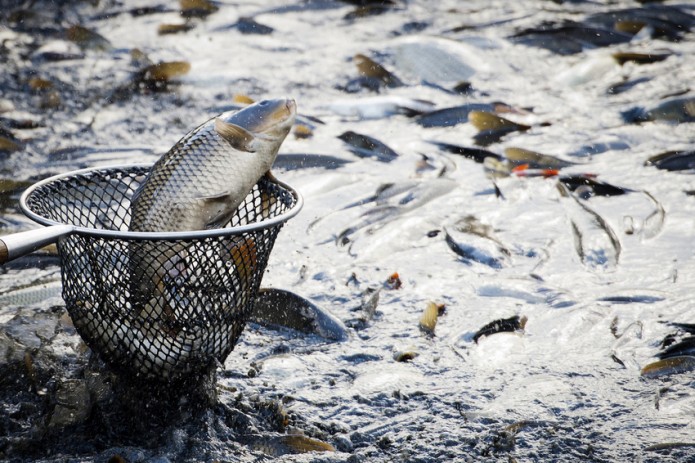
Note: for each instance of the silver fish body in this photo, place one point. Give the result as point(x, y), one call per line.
point(199, 184)
point(202, 180)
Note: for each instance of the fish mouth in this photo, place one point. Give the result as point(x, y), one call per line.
point(291, 105)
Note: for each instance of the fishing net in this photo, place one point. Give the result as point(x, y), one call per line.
point(200, 285)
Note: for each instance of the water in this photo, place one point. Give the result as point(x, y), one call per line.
point(566, 389)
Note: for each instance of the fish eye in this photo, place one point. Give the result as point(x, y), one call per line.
point(263, 103)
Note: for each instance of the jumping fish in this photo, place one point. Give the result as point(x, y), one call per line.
point(201, 181)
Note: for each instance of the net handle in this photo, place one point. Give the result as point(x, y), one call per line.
point(22, 243)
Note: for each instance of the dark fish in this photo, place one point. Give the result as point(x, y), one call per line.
point(469, 253)
point(600, 147)
point(569, 38)
point(676, 110)
point(624, 86)
point(365, 147)
point(588, 184)
point(665, 21)
point(476, 154)
point(673, 160)
point(687, 327)
point(448, 117)
point(247, 25)
point(515, 323)
point(623, 57)
point(87, 39)
point(284, 308)
point(166, 29)
point(369, 68)
point(489, 136)
point(685, 347)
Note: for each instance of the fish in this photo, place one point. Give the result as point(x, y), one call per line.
point(673, 161)
point(369, 68)
point(197, 8)
point(534, 160)
point(476, 154)
point(448, 117)
point(284, 444)
point(675, 110)
point(284, 308)
point(626, 85)
point(87, 39)
point(639, 58)
point(662, 21)
point(248, 25)
point(512, 324)
point(199, 183)
point(365, 146)
point(492, 127)
point(570, 37)
point(587, 186)
point(473, 241)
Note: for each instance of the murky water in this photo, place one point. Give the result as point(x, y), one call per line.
point(597, 277)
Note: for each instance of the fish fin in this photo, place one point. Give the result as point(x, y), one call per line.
point(238, 137)
point(216, 208)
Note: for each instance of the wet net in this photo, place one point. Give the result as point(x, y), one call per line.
point(158, 306)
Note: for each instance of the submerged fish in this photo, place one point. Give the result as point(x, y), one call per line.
point(448, 117)
point(365, 146)
point(202, 180)
point(284, 308)
point(676, 110)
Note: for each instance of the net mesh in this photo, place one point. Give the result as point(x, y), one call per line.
point(199, 291)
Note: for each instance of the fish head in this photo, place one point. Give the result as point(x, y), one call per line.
point(269, 120)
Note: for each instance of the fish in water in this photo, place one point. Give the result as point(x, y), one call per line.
point(448, 117)
point(676, 110)
point(200, 183)
point(365, 147)
point(673, 160)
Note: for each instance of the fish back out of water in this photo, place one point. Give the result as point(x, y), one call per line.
point(201, 181)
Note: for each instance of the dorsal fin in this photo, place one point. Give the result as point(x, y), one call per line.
point(238, 137)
